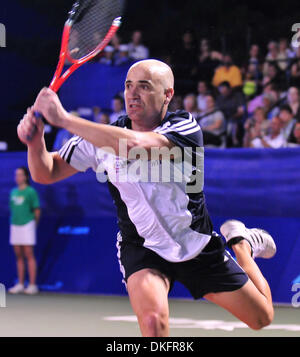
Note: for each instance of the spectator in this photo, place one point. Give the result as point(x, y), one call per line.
point(25, 215)
point(259, 101)
point(295, 140)
point(201, 98)
point(176, 103)
point(269, 103)
point(285, 54)
point(276, 76)
point(104, 118)
point(107, 58)
point(254, 56)
point(252, 81)
point(118, 108)
point(213, 124)
point(208, 61)
point(293, 101)
point(190, 105)
point(121, 57)
point(185, 63)
point(287, 121)
point(273, 140)
point(253, 67)
point(227, 72)
point(99, 116)
point(96, 114)
point(62, 136)
point(232, 104)
point(257, 125)
point(272, 56)
point(295, 70)
point(116, 42)
point(137, 51)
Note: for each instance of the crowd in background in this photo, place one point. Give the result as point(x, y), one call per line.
point(253, 104)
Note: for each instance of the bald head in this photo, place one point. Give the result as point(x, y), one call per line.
point(148, 92)
point(159, 71)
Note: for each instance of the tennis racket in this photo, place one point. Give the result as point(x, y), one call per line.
point(90, 26)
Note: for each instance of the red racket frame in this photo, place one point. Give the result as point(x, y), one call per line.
point(59, 79)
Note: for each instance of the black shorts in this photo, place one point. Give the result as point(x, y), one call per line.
point(213, 270)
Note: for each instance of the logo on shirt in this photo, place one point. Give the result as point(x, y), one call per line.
point(18, 200)
point(157, 165)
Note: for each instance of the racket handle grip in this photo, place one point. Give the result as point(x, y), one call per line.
point(38, 116)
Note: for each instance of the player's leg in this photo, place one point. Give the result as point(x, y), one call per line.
point(253, 302)
point(148, 292)
point(248, 304)
point(19, 253)
point(242, 251)
point(31, 263)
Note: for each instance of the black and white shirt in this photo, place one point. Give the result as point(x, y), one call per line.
point(160, 207)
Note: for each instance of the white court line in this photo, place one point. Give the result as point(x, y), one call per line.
point(206, 324)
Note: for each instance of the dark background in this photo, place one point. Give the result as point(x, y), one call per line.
point(33, 32)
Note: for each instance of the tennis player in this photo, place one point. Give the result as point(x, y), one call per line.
point(165, 231)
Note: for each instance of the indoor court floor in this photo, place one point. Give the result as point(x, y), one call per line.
point(64, 315)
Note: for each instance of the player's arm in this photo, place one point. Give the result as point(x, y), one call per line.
point(100, 135)
point(45, 167)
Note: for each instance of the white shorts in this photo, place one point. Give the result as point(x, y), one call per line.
point(23, 235)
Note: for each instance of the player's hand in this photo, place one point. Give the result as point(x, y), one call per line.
point(30, 129)
point(49, 106)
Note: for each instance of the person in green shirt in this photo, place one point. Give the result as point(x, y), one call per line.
point(25, 214)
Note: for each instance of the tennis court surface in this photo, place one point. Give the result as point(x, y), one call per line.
point(64, 315)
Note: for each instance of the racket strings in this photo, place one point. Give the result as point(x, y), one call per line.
point(91, 25)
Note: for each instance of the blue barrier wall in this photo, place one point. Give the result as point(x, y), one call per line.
point(77, 234)
point(93, 85)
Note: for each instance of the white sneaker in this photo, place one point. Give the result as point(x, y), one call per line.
point(262, 244)
point(31, 289)
point(17, 289)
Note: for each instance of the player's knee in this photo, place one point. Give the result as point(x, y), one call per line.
point(263, 319)
point(154, 323)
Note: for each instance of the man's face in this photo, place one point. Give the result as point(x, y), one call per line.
point(285, 116)
point(144, 95)
point(259, 115)
point(276, 124)
point(272, 47)
point(210, 103)
point(293, 95)
point(201, 87)
point(189, 103)
point(224, 90)
point(137, 37)
point(254, 51)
